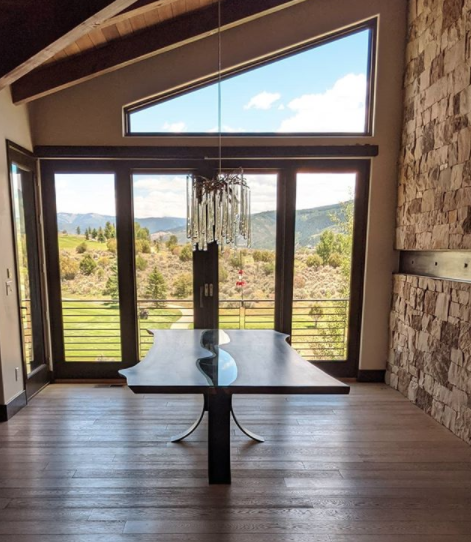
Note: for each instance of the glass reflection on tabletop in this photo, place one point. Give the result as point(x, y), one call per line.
point(220, 369)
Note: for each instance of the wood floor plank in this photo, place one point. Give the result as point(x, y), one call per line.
point(83, 463)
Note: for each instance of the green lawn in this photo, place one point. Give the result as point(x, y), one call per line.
point(71, 242)
point(92, 329)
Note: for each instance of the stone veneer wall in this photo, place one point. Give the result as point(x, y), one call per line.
point(434, 196)
point(430, 343)
point(430, 357)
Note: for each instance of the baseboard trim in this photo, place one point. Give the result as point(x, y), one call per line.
point(371, 376)
point(15, 405)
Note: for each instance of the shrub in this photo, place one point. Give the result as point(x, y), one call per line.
point(68, 266)
point(223, 273)
point(269, 268)
point(143, 246)
point(299, 281)
point(104, 262)
point(141, 263)
point(112, 245)
point(186, 253)
point(335, 260)
point(183, 285)
point(172, 242)
point(87, 265)
point(314, 261)
point(263, 256)
point(80, 249)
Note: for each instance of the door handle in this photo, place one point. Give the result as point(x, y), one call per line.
point(201, 297)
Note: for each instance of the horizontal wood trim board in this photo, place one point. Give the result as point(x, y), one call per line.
point(15, 405)
point(443, 264)
point(210, 153)
point(164, 37)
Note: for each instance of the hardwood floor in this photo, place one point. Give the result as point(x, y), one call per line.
point(86, 463)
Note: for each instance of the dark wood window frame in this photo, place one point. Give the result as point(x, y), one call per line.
point(40, 375)
point(370, 24)
point(124, 161)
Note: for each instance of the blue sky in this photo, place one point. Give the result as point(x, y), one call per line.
point(322, 89)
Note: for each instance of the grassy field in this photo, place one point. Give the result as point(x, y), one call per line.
point(92, 329)
point(71, 242)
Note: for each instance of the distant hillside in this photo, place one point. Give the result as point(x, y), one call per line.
point(69, 222)
point(310, 223)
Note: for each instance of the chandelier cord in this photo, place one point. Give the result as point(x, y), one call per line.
point(219, 89)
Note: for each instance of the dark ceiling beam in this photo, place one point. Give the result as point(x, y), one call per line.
point(149, 42)
point(38, 30)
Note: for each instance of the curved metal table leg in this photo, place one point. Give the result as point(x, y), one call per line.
point(246, 431)
point(187, 433)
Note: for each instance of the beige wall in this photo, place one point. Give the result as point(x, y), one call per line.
point(14, 125)
point(91, 114)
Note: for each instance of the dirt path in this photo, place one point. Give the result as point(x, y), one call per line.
point(186, 319)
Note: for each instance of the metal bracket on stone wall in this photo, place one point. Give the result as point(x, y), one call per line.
point(443, 264)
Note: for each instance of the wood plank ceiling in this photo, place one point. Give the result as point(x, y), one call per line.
point(107, 36)
point(140, 15)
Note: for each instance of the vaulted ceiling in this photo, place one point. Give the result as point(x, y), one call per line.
point(50, 45)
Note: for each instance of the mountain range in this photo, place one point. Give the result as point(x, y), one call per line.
point(69, 222)
point(310, 223)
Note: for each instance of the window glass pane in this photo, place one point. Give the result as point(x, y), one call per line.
point(322, 264)
point(23, 268)
point(164, 258)
point(322, 89)
point(86, 220)
point(247, 275)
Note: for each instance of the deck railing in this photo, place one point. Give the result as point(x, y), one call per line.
point(92, 327)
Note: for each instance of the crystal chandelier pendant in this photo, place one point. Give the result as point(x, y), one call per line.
point(218, 210)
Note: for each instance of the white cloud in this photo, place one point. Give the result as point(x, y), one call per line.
point(264, 100)
point(319, 189)
point(281, 107)
point(159, 195)
point(339, 109)
point(174, 126)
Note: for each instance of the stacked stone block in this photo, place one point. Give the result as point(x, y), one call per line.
point(430, 354)
point(434, 199)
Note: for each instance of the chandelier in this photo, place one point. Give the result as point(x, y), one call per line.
point(218, 209)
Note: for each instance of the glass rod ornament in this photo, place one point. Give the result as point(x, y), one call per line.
point(218, 210)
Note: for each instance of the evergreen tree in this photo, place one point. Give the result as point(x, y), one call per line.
point(78, 230)
point(87, 235)
point(94, 233)
point(107, 231)
point(156, 287)
point(111, 287)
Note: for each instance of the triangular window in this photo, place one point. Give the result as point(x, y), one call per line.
point(324, 88)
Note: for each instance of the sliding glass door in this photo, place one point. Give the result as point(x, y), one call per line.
point(247, 274)
point(163, 255)
point(88, 265)
point(28, 257)
point(120, 264)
